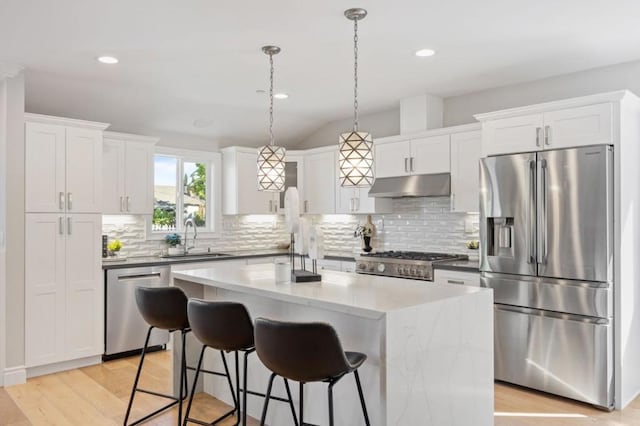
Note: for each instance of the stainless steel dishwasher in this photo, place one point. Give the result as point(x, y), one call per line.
point(125, 329)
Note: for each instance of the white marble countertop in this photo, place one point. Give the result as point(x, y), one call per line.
point(367, 296)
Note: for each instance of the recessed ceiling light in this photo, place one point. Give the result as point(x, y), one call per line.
point(110, 60)
point(281, 96)
point(423, 53)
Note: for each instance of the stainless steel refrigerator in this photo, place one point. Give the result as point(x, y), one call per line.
point(546, 227)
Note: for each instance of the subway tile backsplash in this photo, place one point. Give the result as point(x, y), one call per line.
point(420, 224)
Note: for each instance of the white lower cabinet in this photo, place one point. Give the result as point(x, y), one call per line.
point(64, 295)
point(443, 276)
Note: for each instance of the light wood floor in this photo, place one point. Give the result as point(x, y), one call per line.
point(98, 395)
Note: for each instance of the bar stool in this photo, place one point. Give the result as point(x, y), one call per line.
point(226, 327)
point(306, 352)
point(164, 308)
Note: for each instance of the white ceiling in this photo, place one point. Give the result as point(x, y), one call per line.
point(190, 59)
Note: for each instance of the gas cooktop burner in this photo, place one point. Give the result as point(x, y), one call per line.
point(403, 264)
point(412, 255)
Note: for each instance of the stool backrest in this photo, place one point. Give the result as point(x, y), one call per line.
point(304, 352)
point(221, 325)
point(163, 307)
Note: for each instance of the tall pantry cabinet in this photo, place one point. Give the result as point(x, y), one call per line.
point(63, 275)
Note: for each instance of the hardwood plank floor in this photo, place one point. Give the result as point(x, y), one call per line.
point(98, 395)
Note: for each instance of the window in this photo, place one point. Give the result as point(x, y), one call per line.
point(183, 189)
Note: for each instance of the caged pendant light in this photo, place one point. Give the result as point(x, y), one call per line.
point(271, 157)
point(356, 147)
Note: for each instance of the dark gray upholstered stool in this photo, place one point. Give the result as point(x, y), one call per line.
point(306, 352)
point(226, 327)
point(164, 308)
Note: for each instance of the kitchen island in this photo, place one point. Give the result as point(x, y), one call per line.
point(429, 347)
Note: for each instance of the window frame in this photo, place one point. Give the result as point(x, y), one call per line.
point(214, 191)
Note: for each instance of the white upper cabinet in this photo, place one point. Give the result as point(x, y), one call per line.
point(581, 123)
point(320, 179)
point(127, 176)
point(430, 155)
point(587, 125)
point(63, 163)
point(392, 158)
point(357, 201)
point(423, 155)
point(240, 193)
point(465, 173)
point(513, 134)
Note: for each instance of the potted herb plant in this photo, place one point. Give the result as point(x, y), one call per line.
point(173, 240)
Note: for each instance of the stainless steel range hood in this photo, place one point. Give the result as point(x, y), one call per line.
point(432, 185)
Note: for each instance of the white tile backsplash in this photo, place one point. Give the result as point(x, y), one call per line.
point(420, 224)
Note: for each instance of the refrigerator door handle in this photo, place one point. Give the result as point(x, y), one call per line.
point(531, 212)
point(542, 213)
point(545, 215)
point(551, 314)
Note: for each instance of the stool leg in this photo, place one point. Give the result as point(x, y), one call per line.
point(301, 404)
point(239, 407)
point(226, 370)
point(364, 406)
point(135, 382)
point(293, 410)
point(244, 386)
point(330, 392)
point(193, 386)
point(266, 399)
point(183, 373)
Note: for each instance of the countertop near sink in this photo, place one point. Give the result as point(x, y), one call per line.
point(134, 261)
point(459, 265)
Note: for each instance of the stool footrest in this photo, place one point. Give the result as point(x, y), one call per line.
point(254, 393)
point(202, 370)
point(155, 413)
point(162, 395)
point(215, 422)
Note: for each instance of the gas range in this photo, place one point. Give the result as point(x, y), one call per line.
point(403, 264)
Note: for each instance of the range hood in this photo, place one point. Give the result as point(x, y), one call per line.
point(431, 185)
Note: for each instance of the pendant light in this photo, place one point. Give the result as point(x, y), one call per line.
point(271, 157)
point(356, 147)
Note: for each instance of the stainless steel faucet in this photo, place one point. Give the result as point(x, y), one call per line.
point(187, 222)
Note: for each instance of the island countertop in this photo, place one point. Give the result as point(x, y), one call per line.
point(367, 296)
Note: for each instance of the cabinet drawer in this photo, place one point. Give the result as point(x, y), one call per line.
point(456, 277)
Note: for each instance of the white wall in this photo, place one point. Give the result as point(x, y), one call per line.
point(460, 109)
point(3, 206)
point(380, 124)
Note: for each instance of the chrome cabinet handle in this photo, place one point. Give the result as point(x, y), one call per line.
point(547, 135)
point(453, 202)
point(538, 131)
point(306, 206)
point(61, 225)
point(530, 212)
point(270, 206)
point(406, 165)
point(127, 202)
point(69, 225)
point(455, 282)
point(69, 201)
point(411, 164)
point(121, 203)
point(61, 201)
point(357, 200)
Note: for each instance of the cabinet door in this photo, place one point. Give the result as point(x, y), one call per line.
point(430, 155)
point(392, 159)
point(465, 171)
point(250, 200)
point(357, 201)
point(113, 174)
point(346, 199)
point(138, 180)
point(44, 288)
point(44, 168)
point(84, 170)
point(513, 134)
point(320, 183)
point(84, 286)
point(588, 125)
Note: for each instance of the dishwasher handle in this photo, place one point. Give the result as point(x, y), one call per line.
point(136, 277)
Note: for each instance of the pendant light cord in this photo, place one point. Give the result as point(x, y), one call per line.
point(271, 139)
point(355, 75)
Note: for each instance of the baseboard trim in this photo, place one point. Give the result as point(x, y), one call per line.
point(14, 376)
point(41, 370)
